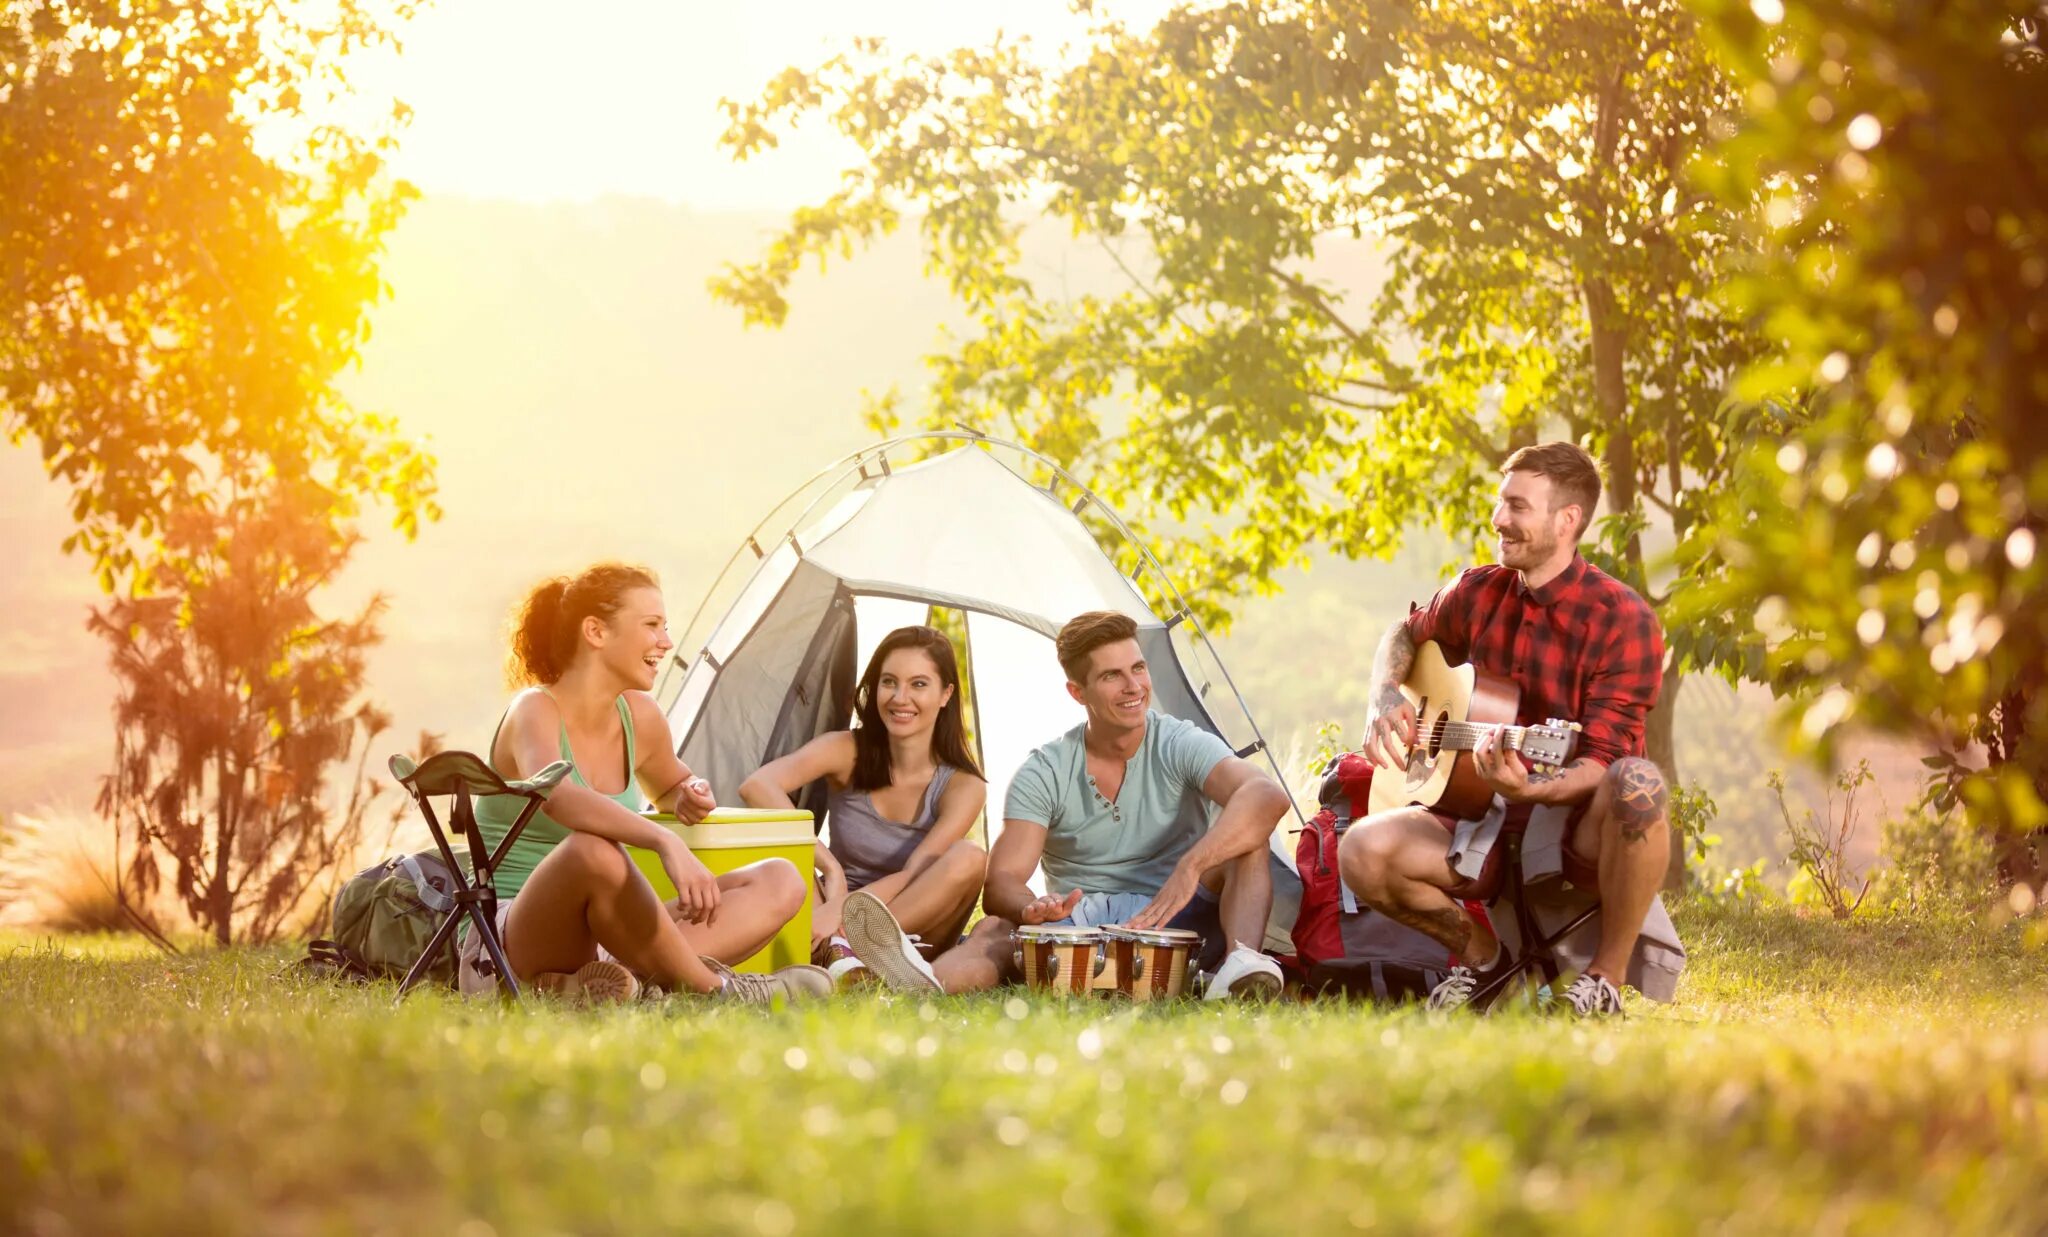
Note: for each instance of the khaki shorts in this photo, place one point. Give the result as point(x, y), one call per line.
point(475, 973)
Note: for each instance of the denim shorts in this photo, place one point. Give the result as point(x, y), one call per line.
point(1202, 915)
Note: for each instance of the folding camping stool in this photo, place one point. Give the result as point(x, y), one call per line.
point(462, 777)
point(1536, 953)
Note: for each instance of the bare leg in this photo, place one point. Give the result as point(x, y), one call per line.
point(1626, 833)
point(1398, 863)
point(754, 902)
point(1247, 901)
point(980, 961)
point(937, 900)
point(586, 893)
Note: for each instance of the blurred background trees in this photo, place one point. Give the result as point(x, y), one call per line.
point(177, 301)
point(1883, 535)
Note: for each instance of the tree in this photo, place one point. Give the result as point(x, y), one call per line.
point(175, 303)
point(1886, 535)
point(1519, 168)
point(234, 699)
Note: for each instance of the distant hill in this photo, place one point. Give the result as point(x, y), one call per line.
point(587, 399)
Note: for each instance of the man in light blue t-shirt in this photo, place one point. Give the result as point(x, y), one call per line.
point(1117, 811)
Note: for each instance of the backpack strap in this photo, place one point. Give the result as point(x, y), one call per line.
point(430, 897)
point(333, 960)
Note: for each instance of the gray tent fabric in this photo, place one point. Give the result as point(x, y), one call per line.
point(734, 728)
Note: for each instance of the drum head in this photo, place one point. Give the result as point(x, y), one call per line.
point(1059, 934)
point(1155, 936)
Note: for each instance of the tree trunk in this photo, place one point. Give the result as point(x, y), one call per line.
point(1658, 739)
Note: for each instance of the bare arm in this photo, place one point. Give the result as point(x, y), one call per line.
point(1252, 803)
point(1393, 719)
point(1510, 778)
point(773, 784)
point(662, 773)
point(1007, 892)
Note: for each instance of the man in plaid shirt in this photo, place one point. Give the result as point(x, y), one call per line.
point(1581, 646)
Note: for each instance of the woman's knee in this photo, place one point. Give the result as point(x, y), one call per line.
point(591, 860)
point(964, 864)
point(783, 885)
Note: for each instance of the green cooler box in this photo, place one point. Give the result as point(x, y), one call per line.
point(732, 837)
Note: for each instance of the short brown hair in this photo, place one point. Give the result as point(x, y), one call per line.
point(1085, 633)
point(1573, 473)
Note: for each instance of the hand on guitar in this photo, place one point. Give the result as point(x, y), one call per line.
point(1391, 732)
point(1501, 767)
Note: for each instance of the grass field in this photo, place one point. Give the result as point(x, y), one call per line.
point(1879, 1076)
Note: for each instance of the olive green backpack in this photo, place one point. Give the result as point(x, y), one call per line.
point(385, 915)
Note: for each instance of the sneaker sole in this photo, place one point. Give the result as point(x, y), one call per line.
point(878, 941)
point(1253, 986)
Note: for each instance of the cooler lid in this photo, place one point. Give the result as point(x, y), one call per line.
point(729, 828)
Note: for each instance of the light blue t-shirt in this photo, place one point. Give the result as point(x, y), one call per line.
point(1129, 846)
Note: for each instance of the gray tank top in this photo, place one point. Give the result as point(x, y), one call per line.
point(869, 847)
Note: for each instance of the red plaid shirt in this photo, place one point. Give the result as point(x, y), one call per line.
point(1584, 648)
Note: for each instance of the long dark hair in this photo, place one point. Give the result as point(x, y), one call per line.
point(549, 622)
point(871, 738)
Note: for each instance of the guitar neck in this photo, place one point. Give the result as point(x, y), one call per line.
point(1464, 736)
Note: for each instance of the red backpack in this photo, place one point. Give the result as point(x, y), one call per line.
point(1318, 935)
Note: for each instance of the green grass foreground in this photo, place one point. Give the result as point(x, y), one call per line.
point(1879, 1076)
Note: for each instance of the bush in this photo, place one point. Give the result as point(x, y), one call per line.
point(1820, 844)
point(1935, 860)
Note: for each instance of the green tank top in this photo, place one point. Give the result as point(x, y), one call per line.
point(495, 814)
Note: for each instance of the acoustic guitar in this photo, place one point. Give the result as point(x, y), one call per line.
point(1456, 707)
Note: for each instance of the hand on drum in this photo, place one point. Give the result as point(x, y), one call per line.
point(1172, 898)
point(1391, 733)
point(1050, 908)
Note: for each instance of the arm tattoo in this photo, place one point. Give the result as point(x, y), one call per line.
point(1393, 662)
point(1446, 925)
point(1639, 797)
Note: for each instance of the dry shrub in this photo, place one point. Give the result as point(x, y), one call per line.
point(59, 873)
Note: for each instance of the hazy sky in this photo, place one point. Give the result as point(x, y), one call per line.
point(547, 101)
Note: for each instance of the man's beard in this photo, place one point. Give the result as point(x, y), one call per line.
point(1527, 552)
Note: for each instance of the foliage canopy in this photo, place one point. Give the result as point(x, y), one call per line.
point(175, 303)
point(1886, 535)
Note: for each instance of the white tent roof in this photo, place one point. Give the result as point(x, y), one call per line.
point(963, 530)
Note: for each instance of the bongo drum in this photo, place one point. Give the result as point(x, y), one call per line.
point(1060, 959)
point(1151, 963)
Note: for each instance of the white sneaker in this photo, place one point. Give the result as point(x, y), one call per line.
point(1246, 974)
point(846, 972)
point(881, 944)
point(1591, 996)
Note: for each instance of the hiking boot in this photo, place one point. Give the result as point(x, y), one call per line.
point(593, 982)
point(792, 984)
point(880, 942)
point(1591, 996)
point(1246, 974)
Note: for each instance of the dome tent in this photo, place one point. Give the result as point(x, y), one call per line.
point(878, 540)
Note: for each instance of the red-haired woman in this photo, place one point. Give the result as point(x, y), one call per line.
point(904, 790)
point(577, 916)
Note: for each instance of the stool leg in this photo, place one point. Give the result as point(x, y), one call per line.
point(419, 968)
point(496, 950)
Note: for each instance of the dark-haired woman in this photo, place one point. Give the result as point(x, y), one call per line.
point(904, 790)
point(576, 915)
